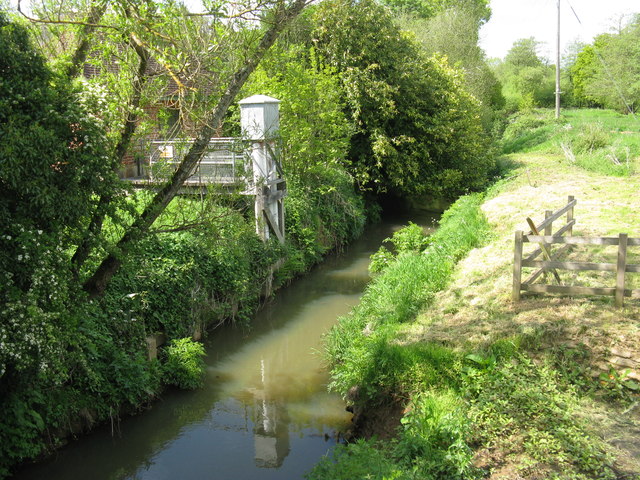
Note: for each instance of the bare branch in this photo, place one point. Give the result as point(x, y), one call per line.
point(63, 22)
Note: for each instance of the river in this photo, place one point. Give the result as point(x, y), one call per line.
point(264, 412)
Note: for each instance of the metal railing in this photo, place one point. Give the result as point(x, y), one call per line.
point(224, 162)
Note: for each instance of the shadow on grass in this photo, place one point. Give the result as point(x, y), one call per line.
point(527, 140)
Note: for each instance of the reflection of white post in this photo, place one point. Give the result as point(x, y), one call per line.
point(260, 122)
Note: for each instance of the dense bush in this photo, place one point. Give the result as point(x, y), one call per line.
point(323, 212)
point(183, 365)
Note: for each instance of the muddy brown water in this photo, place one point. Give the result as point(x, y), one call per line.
point(264, 412)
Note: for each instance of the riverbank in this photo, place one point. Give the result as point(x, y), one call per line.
point(95, 363)
point(545, 388)
point(264, 403)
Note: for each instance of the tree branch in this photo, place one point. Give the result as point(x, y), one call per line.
point(82, 50)
point(98, 282)
point(63, 22)
point(95, 226)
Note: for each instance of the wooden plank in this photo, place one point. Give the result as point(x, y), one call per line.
point(622, 267)
point(548, 229)
point(273, 224)
point(545, 250)
point(557, 254)
point(517, 266)
point(575, 240)
point(574, 266)
point(568, 227)
point(570, 219)
point(562, 230)
point(555, 215)
point(580, 240)
point(633, 268)
point(571, 290)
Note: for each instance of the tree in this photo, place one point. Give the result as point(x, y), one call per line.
point(314, 130)
point(527, 79)
point(454, 33)
point(606, 73)
point(208, 58)
point(54, 165)
point(417, 131)
point(431, 8)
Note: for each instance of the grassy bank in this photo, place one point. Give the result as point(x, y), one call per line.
point(484, 388)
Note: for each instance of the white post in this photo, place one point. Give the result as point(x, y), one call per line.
point(558, 66)
point(260, 121)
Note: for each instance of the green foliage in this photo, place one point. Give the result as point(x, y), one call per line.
point(588, 138)
point(582, 70)
point(183, 365)
point(606, 73)
point(359, 460)
point(454, 33)
point(435, 436)
point(360, 346)
point(417, 130)
point(324, 212)
point(409, 239)
point(526, 409)
point(198, 277)
point(431, 445)
point(527, 130)
point(596, 140)
point(527, 80)
point(431, 8)
point(314, 131)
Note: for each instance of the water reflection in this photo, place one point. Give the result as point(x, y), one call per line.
point(271, 427)
point(264, 411)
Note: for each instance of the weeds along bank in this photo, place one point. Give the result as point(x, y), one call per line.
point(91, 362)
point(480, 387)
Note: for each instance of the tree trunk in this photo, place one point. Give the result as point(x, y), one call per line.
point(80, 55)
point(95, 225)
point(98, 282)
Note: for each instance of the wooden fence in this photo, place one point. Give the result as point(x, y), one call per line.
point(552, 261)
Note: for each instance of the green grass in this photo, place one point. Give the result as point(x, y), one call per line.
point(490, 389)
point(601, 141)
point(404, 287)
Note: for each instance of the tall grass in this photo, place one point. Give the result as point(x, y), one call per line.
point(359, 347)
point(601, 141)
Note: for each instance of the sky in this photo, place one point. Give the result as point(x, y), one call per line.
point(515, 19)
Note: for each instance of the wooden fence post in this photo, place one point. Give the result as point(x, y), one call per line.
point(621, 269)
point(570, 215)
point(548, 230)
point(517, 266)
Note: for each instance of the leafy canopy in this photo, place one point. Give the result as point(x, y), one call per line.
point(416, 130)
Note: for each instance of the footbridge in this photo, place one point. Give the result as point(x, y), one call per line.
point(247, 165)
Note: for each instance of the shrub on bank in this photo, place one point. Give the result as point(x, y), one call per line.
point(183, 365)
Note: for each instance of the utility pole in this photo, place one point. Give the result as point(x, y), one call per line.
point(558, 66)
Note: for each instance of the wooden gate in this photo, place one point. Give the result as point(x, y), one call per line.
point(552, 260)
